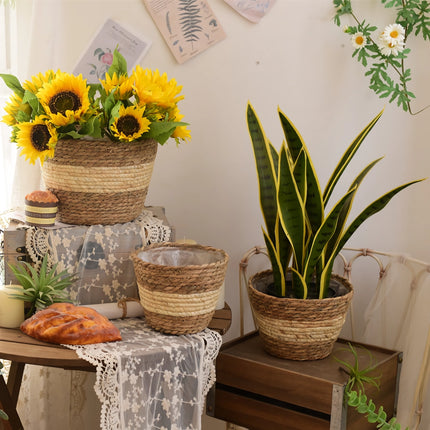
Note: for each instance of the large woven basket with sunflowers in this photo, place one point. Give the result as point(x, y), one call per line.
point(96, 143)
point(179, 285)
point(99, 181)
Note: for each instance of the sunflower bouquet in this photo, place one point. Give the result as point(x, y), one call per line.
point(122, 107)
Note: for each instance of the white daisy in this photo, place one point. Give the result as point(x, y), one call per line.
point(387, 48)
point(358, 40)
point(394, 34)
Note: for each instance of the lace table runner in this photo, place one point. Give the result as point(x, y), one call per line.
point(150, 380)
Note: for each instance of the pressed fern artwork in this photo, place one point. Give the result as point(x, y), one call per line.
point(190, 19)
point(188, 26)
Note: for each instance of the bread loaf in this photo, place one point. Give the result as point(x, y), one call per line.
point(64, 323)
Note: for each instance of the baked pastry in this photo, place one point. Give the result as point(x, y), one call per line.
point(41, 208)
point(71, 325)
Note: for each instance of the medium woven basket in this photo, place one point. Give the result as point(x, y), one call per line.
point(99, 181)
point(298, 329)
point(179, 285)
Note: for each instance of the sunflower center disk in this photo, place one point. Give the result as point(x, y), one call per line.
point(40, 137)
point(64, 101)
point(128, 125)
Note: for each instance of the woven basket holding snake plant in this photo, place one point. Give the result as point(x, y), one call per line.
point(298, 329)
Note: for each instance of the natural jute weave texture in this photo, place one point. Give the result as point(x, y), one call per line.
point(179, 299)
point(298, 329)
point(99, 181)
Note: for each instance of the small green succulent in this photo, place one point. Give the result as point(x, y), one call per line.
point(41, 288)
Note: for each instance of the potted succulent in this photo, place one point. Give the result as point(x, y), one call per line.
point(41, 288)
point(300, 305)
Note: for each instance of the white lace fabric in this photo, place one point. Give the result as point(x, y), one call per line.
point(150, 380)
point(98, 254)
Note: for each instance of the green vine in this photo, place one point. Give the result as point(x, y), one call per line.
point(358, 399)
point(384, 57)
point(3, 414)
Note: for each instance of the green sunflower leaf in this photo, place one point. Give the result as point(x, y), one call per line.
point(161, 131)
point(119, 65)
point(13, 83)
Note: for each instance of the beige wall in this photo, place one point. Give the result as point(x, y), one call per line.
point(295, 58)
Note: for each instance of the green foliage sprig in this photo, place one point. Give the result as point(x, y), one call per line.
point(388, 75)
point(3, 414)
point(358, 399)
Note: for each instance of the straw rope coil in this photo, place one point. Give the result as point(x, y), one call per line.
point(298, 329)
point(179, 299)
point(99, 181)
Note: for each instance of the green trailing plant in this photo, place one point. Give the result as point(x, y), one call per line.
point(3, 414)
point(383, 53)
point(41, 288)
point(302, 237)
point(358, 378)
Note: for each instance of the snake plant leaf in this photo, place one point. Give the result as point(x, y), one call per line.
point(370, 210)
point(265, 171)
point(274, 155)
point(324, 234)
point(346, 158)
point(344, 213)
point(295, 143)
point(299, 172)
point(278, 270)
point(291, 208)
point(300, 289)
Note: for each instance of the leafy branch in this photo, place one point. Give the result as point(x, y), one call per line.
point(358, 399)
point(384, 58)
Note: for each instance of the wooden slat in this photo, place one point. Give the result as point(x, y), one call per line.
point(256, 415)
point(221, 320)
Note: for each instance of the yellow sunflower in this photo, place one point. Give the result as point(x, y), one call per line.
point(65, 98)
point(37, 139)
point(182, 131)
point(38, 81)
point(130, 124)
point(153, 88)
point(13, 107)
point(122, 85)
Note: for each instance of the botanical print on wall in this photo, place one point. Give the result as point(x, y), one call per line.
point(188, 26)
point(98, 57)
point(253, 10)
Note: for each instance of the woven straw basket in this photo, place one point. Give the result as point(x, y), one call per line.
point(298, 329)
point(99, 181)
point(179, 285)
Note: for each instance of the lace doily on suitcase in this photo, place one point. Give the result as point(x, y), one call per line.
point(99, 254)
point(150, 380)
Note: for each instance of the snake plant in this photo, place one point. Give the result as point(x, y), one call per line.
point(302, 236)
point(41, 288)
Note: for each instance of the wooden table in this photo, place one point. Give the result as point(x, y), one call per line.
point(21, 349)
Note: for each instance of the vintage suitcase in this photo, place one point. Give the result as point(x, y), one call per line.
point(260, 392)
point(98, 254)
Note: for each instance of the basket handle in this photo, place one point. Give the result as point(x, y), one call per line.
point(243, 280)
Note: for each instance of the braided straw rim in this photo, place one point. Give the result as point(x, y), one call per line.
point(298, 329)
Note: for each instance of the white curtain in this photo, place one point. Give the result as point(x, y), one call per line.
point(398, 318)
point(17, 176)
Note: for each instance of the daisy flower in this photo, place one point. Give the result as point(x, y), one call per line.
point(388, 48)
point(394, 34)
point(358, 40)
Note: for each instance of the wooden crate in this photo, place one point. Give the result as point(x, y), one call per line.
point(260, 392)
